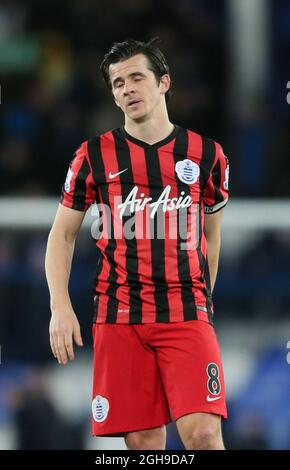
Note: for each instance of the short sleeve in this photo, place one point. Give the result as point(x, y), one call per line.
point(79, 189)
point(215, 195)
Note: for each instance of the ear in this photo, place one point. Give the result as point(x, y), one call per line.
point(165, 83)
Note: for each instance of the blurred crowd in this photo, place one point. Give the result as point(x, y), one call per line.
point(53, 96)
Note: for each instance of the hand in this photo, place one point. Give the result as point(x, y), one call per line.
point(63, 328)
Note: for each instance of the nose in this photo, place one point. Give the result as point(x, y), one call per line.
point(128, 87)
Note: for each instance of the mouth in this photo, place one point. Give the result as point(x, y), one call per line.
point(133, 103)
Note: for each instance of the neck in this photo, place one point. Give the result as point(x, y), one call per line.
point(152, 130)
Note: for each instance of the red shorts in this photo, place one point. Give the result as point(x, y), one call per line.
point(147, 375)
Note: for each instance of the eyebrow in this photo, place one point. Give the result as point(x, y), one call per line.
point(131, 75)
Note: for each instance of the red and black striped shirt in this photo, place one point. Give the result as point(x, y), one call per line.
point(152, 199)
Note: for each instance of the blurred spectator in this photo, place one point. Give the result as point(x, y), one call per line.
point(250, 434)
point(39, 426)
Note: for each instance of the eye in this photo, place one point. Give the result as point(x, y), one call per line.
point(118, 85)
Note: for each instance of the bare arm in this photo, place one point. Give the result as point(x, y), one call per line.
point(212, 228)
point(64, 325)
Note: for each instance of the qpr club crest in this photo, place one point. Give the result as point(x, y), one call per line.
point(187, 171)
point(100, 408)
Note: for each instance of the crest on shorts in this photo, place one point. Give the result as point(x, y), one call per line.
point(100, 408)
point(67, 183)
point(187, 171)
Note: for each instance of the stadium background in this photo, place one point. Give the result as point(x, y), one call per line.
point(230, 65)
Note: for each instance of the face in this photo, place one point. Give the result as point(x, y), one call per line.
point(135, 88)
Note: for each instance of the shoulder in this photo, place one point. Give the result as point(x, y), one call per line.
point(206, 141)
point(206, 149)
point(99, 141)
point(109, 135)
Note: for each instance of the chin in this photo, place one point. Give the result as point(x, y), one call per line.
point(138, 117)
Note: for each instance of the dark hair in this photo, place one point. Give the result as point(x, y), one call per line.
point(130, 47)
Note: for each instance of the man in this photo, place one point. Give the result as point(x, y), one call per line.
point(160, 190)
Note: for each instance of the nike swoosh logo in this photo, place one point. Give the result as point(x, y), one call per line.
point(112, 175)
point(209, 398)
